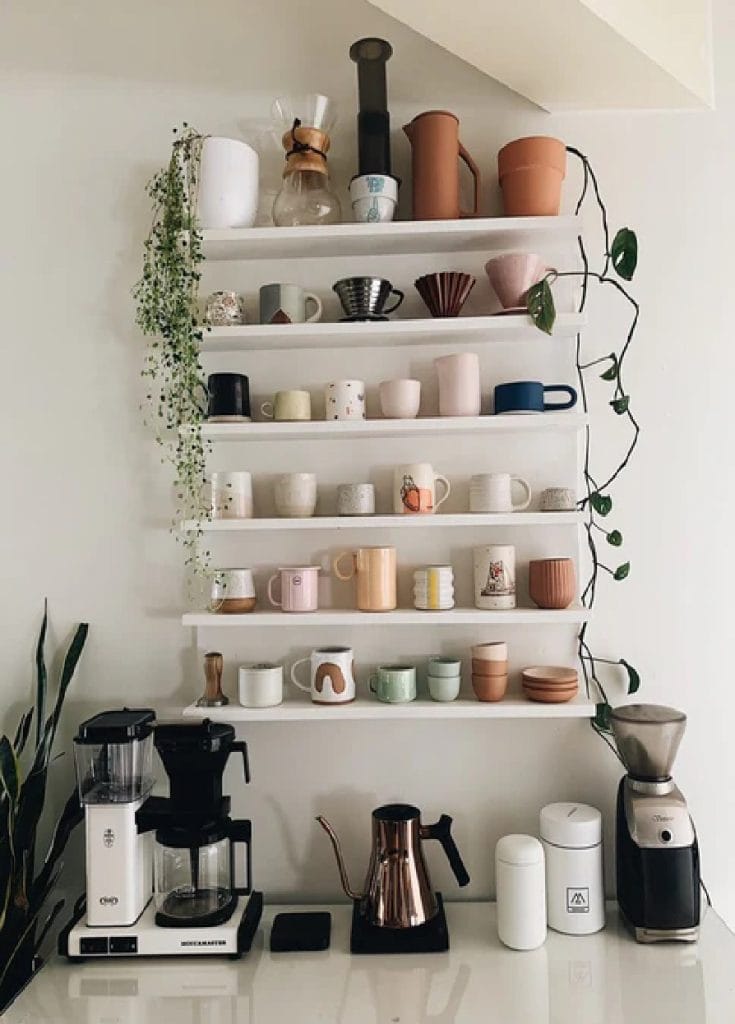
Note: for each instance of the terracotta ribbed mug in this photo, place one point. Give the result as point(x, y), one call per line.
point(552, 582)
point(531, 173)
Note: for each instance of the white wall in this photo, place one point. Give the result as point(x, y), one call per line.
point(89, 93)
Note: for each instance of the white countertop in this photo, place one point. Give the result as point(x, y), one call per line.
point(600, 979)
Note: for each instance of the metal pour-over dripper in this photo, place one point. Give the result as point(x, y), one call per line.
point(648, 737)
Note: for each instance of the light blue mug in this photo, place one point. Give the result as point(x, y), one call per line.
point(394, 684)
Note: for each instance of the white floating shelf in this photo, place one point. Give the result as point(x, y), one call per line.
point(485, 234)
point(437, 522)
point(302, 710)
point(542, 423)
point(400, 617)
point(264, 337)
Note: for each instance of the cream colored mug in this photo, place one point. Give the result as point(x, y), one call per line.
point(375, 572)
point(288, 406)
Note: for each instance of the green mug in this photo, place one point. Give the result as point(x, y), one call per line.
point(445, 667)
point(394, 684)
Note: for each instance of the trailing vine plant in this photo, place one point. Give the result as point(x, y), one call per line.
point(616, 266)
point(166, 297)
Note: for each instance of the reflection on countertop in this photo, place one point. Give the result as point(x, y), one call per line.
point(600, 979)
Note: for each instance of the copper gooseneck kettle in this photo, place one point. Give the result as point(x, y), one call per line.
point(398, 892)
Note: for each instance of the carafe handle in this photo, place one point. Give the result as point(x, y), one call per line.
point(475, 171)
point(240, 834)
point(442, 831)
point(241, 747)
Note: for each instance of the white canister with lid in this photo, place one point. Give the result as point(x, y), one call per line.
point(520, 886)
point(575, 889)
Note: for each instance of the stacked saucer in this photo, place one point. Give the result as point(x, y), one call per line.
point(550, 684)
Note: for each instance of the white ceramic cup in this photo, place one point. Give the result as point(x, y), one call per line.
point(355, 500)
point(495, 576)
point(414, 489)
point(299, 586)
point(495, 651)
point(493, 492)
point(433, 588)
point(345, 400)
point(295, 495)
point(260, 685)
point(374, 197)
point(459, 384)
point(400, 398)
point(228, 184)
point(233, 591)
point(232, 495)
point(331, 675)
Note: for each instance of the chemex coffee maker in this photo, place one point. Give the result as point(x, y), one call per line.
point(656, 845)
point(398, 911)
point(160, 871)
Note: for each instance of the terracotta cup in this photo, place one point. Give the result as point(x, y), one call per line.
point(552, 582)
point(489, 688)
point(512, 274)
point(531, 173)
point(375, 572)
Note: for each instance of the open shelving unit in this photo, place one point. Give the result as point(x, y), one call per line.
point(301, 709)
point(516, 333)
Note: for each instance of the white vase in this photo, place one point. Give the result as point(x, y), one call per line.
point(228, 184)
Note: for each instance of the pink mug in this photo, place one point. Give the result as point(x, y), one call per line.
point(512, 274)
point(459, 384)
point(299, 589)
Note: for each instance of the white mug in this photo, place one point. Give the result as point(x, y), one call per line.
point(400, 398)
point(433, 588)
point(345, 400)
point(558, 499)
point(233, 591)
point(299, 587)
point(331, 675)
point(414, 489)
point(459, 384)
point(495, 576)
point(295, 495)
point(228, 184)
point(493, 492)
point(232, 495)
point(261, 685)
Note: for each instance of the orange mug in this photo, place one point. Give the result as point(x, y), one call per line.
point(375, 572)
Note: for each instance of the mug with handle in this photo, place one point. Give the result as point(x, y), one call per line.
point(493, 492)
point(529, 396)
point(331, 675)
point(414, 489)
point(288, 406)
point(299, 589)
point(394, 684)
point(286, 304)
point(375, 570)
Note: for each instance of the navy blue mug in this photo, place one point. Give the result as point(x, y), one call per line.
point(529, 396)
point(228, 396)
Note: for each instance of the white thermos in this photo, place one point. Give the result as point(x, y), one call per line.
point(521, 891)
point(575, 890)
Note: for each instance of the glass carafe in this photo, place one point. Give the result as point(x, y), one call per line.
point(306, 196)
point(194, 873)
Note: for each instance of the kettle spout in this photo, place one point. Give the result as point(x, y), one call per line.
point(340, 859)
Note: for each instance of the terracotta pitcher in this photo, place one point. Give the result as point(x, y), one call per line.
point(435, 155)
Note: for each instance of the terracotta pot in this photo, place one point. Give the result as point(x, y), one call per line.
point(531, 172)
point(552, 582)
point(489, 688)
point(435, 155)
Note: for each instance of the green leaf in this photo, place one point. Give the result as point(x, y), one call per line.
point(622, 571)
point(615, 538)
point(620, 405)
point(634, 680)
point(601, 503)
point(541, 306)
point(601, 721)
point(9, 774)
point(624, 253)
point(612, 371)
point(41, 678)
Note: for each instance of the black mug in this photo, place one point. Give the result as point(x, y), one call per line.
point(228, 396)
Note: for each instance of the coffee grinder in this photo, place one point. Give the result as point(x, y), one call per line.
point(656, 846)
point(161, 872)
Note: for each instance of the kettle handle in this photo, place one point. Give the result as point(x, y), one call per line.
point(442, 831)
point(475, 171)
point(240, 834)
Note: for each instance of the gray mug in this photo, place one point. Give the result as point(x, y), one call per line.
point(286, 304)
